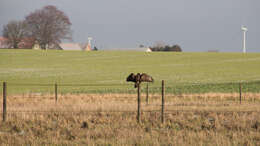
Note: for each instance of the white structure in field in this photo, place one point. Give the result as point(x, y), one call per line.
point(244, 29)
point(148, 50)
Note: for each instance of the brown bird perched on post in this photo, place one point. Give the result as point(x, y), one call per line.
point(139, 78)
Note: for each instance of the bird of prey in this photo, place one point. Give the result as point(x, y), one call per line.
point(139, 78)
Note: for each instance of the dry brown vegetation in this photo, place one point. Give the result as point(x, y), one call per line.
point(197, 119)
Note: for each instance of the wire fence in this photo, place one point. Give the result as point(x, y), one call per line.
point(44, 99)
point(177, 89)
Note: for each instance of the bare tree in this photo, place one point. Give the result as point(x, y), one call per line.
point(49, 26)
point(14, 31)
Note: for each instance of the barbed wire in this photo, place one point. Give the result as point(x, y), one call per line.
point(125, 84)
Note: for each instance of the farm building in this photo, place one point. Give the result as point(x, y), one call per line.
point(70, 46)
point(148, 50)
point(3, 42)
point(133, 49)
point(36, 46)
point(54, 47)
point(62, 46)
point(26, 43)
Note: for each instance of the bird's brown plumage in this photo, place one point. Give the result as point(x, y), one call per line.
point(139, 78)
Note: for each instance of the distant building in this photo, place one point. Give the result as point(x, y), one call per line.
point(133, 49)
point(26, 43)
point(36, 46)
point(54, 47)
point(3, 43)
point(148, 50)
point(70, 46)
point(62, 46)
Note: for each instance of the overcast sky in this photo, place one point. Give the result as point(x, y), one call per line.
point(196, 25)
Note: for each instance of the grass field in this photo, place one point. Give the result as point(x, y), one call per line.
point(112, 67)
point(110, 119)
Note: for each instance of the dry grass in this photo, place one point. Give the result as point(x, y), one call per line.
point(197, 119)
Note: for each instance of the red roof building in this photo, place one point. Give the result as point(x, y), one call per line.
point(4, 42)
point(26, 43)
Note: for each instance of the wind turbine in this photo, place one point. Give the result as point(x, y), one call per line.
point(244, 30)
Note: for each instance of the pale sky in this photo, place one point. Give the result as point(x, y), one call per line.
point(196, 25)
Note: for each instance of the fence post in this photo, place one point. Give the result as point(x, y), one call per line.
point(138, 104)
point(147, 93)
point(240, 92)
point(162, 115)
point(4, 101)
point(56, 92)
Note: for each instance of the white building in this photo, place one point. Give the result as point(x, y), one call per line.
point(133, 49)
point(70, 46)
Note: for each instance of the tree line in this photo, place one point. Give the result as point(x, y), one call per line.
point(174, 48)
point(46, 26)
point(161, 46)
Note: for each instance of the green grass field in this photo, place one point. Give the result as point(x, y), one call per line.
point(112, 67)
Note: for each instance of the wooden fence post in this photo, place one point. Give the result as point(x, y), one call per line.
point(240, 93)
point(147, 94)
point(56, 92)
point(4, 101)
point(138, 104)
point(162, 114)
